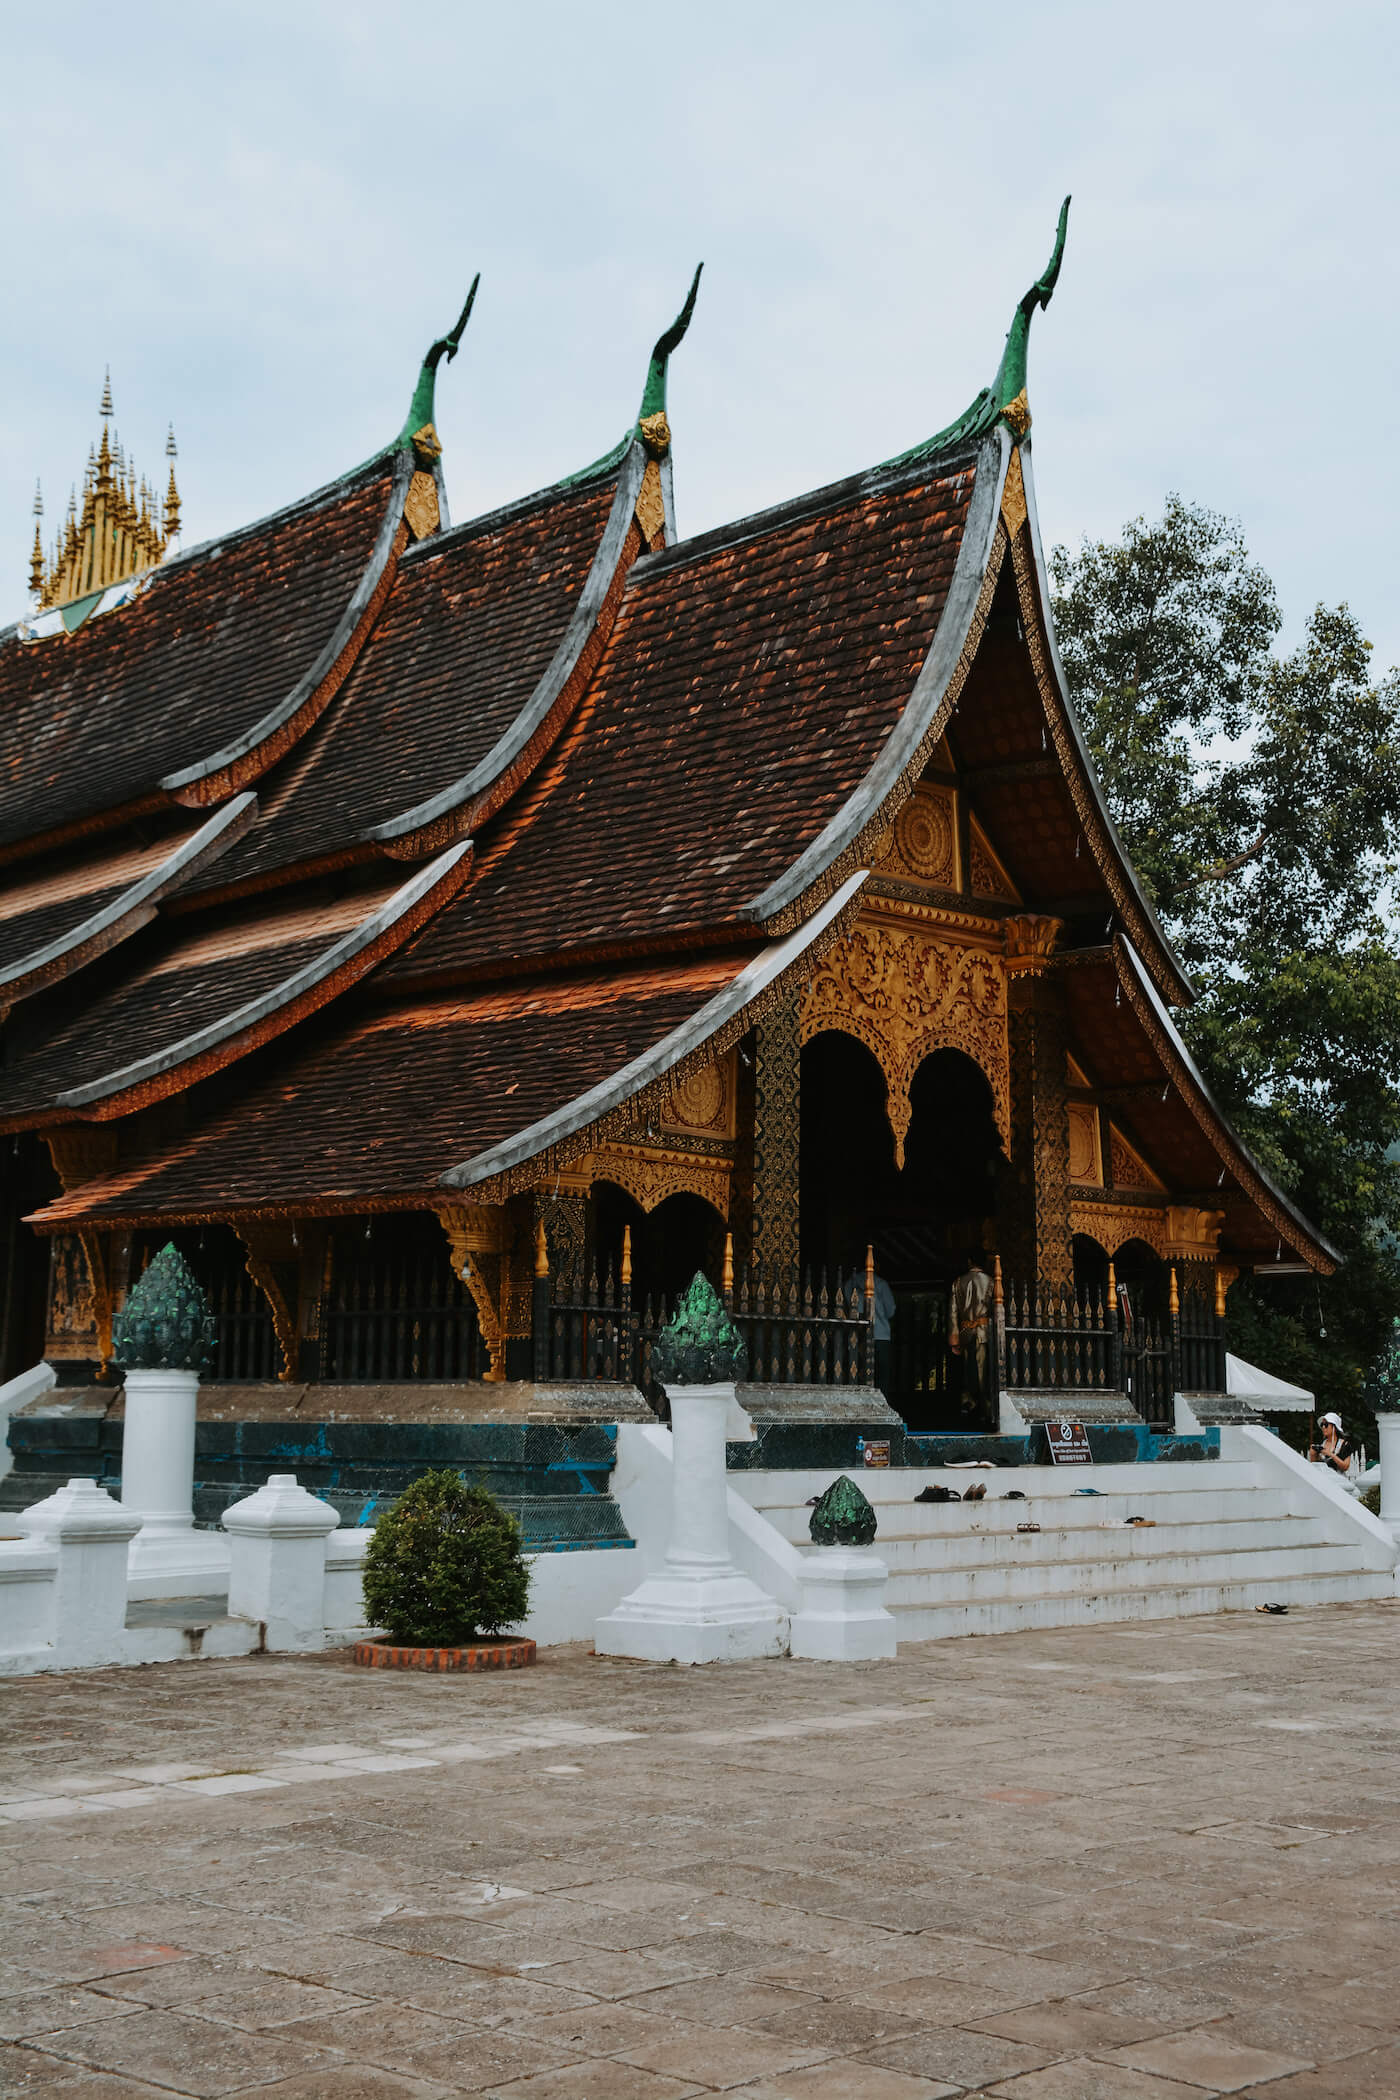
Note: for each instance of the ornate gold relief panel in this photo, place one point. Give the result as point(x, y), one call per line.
point(1113, 1228)
point(904, 994)
point(650, 1174)
point(703, 1104)
point(1127, 1167)
point(986, 875)
point(922, 843)
point(1085, 1148)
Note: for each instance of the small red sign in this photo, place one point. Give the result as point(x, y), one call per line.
point(1069, 1444)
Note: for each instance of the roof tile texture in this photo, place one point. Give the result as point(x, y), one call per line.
point(469, 630)
point(746, 691)
point(161, 683)
point(384, 1106)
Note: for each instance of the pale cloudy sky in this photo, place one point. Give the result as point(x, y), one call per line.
point(259, 214)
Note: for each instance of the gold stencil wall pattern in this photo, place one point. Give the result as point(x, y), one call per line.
point(904, 995)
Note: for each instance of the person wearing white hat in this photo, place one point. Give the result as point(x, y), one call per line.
point(1333, 1450)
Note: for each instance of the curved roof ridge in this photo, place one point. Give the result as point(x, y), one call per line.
point(232, 1035)
point(132, 909)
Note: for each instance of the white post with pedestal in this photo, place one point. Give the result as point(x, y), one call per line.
point(92, 1534)
point(698, 1607)
point(843, 1616)
point(277, 1562)
point(1388, 1429)
point(168, 1557)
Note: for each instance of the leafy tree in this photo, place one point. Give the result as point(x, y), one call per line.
point(445, 1565)
point(1259, 794)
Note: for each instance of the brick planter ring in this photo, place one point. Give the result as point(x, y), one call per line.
point(488, 1655)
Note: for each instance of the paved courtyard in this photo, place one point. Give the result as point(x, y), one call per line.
point(1107, 1864)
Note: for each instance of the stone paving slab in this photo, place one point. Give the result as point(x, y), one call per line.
point(1121, 1863)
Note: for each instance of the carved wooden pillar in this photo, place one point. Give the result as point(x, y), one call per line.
point(1037, 1246)
point(274, 1263)
point(774, 1231)
point(478, 1238)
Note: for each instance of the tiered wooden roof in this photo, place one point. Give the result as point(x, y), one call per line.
point(407, 859)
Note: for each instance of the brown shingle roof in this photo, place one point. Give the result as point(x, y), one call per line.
point(471, 624)
point(94, 720)
point(376, 1109)
point(749, 684)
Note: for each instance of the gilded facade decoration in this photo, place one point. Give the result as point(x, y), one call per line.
point(1085, 1150)
point(274, 1263)
point(905, 994)
point(651, 504)
point(650, 1174)
point(1013, 494)
point(421, 507)
point(1127, 1169)
point(477, 1237)
point(703, 1101)
point(1193, 1235)
point(1038, 1078)
point(72, 1334)
point(777, 1080)
point(922, 844)
point(1113, 1228)
point(1030, 942)
point(986, 875)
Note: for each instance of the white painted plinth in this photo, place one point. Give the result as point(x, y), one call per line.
point(1388, 1427)
point(92, 1534)
point(697, 1607)
point(168, 1557)
point(843, 1616)
point(277, 1562)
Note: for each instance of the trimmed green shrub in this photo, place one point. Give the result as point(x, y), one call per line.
point(445, 1566)
point(1370, 1498)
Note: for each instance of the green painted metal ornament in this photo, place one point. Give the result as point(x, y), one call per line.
point(165, 1324)
point(700, 1345)
point(843, 1516)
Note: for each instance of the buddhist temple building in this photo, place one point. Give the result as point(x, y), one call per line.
point(453, 936)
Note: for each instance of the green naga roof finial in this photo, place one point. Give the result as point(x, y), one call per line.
point(1004, 401)
point(420, 410)
point(654, 392)
point(1009, 387)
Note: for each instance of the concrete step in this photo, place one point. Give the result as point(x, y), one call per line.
point(1052, 1608)
point(1120, 1542)
point(1262, 1563)
point(901, 1483)
point(1100, 1515)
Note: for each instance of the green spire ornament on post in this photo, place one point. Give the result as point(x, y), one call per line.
point(700, 1345)
point(165, 1324)
point(843, 1516)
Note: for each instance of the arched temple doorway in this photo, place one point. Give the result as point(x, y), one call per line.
point(922, 1219)
point(682, 1234)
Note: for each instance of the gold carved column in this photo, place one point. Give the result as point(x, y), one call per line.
point(1035, 1226)
point(775, 1211)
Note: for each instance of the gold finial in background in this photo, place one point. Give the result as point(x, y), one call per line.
point(36, 559)
point(120, 531)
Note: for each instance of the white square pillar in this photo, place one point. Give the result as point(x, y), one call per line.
point(277, 1562)
point(843, 1616)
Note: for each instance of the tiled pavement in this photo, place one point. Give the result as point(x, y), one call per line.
point(1108, 1864)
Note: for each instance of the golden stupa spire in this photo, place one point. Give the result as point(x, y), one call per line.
point(118, 533)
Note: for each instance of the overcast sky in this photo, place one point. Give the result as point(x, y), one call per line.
point(259, 215)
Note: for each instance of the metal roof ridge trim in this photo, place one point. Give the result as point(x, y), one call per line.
point(212, 837)
point(283, 711)
point(1162, 1013)
point(945, 651)
point(305, 979)
point(654, 1063)
point(562, 664)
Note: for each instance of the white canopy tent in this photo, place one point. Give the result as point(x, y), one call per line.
point(1262, 1390)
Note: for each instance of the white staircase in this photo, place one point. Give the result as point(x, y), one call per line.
point(1223, 1535)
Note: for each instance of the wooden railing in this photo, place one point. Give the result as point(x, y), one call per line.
point(799, 1331)
point(401, 1318)
point(245, 1341)
point(1057, 1339)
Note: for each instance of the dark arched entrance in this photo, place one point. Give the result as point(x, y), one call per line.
point(922, 1219)
point(684, 1233)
